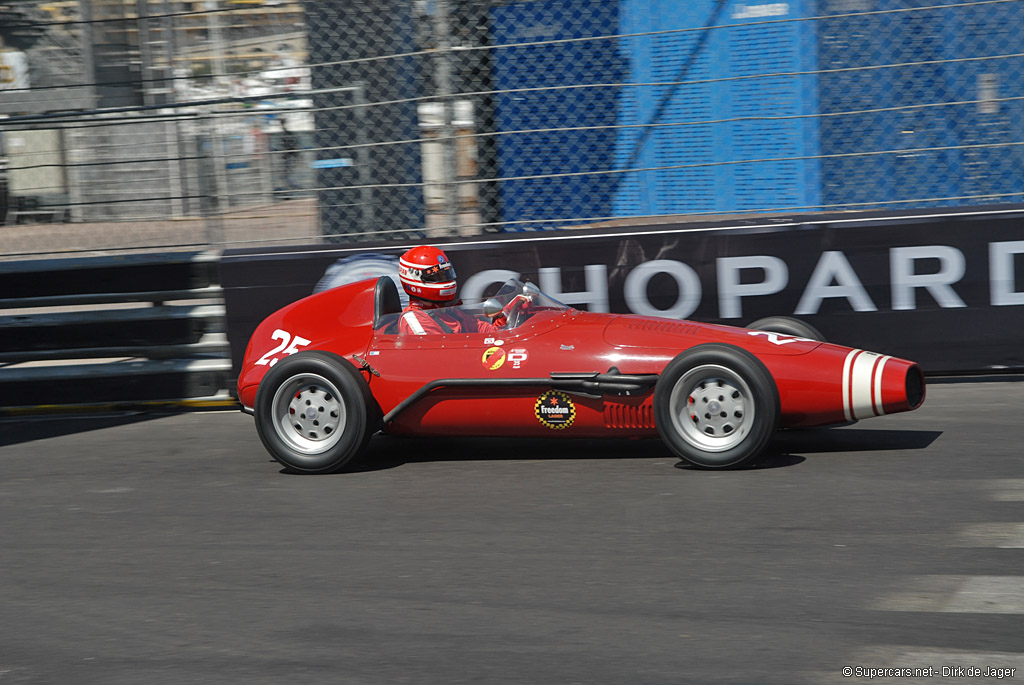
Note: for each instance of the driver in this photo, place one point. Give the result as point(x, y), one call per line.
point(429, 279)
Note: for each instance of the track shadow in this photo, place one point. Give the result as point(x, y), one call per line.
point(787, 446)
point(769, 460)
point(14, 431)
point(819, 440)
point(388, 452)
point(786, 449)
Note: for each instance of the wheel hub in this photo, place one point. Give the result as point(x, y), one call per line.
point(309, 414)
point(716, 408)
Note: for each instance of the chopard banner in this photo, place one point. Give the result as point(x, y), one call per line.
point(943, 289)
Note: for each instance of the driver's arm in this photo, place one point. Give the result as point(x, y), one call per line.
point(472, 323)
point(523, 302)
point(519, 303)
point(488, 327)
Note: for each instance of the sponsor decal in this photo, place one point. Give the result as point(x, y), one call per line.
point(493, 358)
point(567, 347)
point(555, 410)
point(494, 341)
point(518, 357)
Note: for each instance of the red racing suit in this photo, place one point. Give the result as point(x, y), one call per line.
point(420, 318)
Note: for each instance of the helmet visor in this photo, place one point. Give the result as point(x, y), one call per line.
point(438, 273)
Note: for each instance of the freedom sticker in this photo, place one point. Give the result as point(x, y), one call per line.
point(555, 410)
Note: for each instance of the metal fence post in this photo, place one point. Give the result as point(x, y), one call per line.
point(74, 195)
point(443, 85)
point(363, 156)
point(213, 183)
point(145, 52)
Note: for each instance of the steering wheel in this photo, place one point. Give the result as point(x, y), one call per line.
point(516, 310)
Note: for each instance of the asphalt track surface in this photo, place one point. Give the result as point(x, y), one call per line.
point(172, 550)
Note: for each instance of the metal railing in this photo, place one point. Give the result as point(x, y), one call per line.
point(113, 332)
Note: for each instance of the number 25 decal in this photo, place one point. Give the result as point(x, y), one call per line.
point(284, 348)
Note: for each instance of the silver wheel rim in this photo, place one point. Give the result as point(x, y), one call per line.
point(712, 408)
point(309, 415)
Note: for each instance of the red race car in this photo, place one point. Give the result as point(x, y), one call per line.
point(325, 373)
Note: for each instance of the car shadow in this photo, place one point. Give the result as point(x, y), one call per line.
point(388, 451)
point(786, 449)
point(769, 460)
point(849, 439)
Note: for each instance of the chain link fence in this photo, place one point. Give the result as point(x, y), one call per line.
point(145, 124)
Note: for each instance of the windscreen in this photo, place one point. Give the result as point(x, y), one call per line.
point(513, 287)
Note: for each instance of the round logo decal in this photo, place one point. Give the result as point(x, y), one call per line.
point(493, 358)
point(518, 357)
point(555, 410)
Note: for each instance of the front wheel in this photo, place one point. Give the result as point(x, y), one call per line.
point(313, 412)
point(716, 406)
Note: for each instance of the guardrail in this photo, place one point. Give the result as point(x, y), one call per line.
point(113, 333)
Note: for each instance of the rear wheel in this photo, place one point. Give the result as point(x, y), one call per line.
point(313, 412)
point(716, 406)
point(787, 326)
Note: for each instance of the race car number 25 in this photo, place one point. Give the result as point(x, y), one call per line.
point(289, 345)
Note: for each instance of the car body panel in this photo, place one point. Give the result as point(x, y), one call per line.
point(339, 320)
point(628, 331)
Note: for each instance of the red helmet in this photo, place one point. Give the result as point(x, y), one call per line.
point(427, 274)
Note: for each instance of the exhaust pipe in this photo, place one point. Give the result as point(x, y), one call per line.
point(876, 385)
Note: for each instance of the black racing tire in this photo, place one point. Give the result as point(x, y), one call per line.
point(314, 412)
point(739, 402)
point(787, 326)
